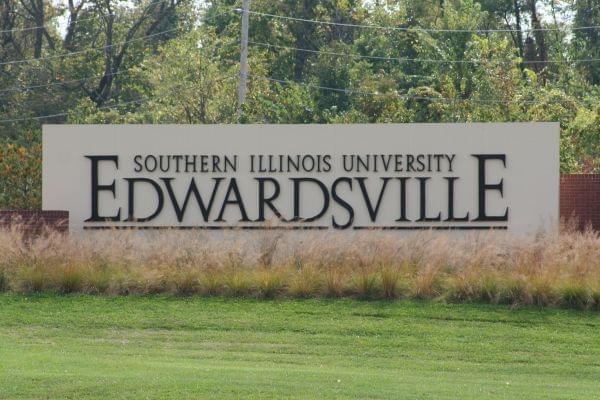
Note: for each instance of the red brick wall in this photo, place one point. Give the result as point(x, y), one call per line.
point(580, 199)
point(36, 222)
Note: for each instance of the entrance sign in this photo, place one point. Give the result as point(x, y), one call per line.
point(347, 177)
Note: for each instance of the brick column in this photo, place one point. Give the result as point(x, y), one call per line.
point(35, 222)
point(580, 199)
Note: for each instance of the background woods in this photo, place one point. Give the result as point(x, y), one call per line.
point(311, 61)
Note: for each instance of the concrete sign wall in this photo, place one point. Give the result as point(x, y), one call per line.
point(350, 177)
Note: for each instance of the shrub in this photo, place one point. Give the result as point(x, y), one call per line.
point(515, 291)
point(31, 278)
point(269, 283)
point(333, 286)
point(186, 282)
point(3, 281)
point(390, 277)
point(428, 283)
point(98, 280)
point(366, 285)
point(237, 284)
point(68, 279)
point(575, 295)
point(543, 271)
point(595, 298)
point(305, 283)
point(211, 283)
point(21, 175)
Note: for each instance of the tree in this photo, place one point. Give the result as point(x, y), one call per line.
point(415, 60)
point(587, 38)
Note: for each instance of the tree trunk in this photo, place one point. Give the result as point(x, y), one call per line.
point(72, 25)
point(101, 93)
point(113, 59)
point(517, 11)
point(303, 32)
point(35, 8)
point(542, 52)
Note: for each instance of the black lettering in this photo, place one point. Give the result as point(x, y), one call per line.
point(420, 162)
point(351, 162)
point(96, 188)
point(162, 167)
point(362, 162)
point(204, 164)
point(154, 163)
point(327, 163)
point(190, 164)
point(373, 211)
point(138, 165)
point(423, 202)
point(484, 186)
point(343, 203)
point(398, 162)
point(322, 187)
point(192, 190)
point(451, 216)
point(267, 201)
point(450, 161)
point(386, 160)
point(409, 161)
point(311, 163)
point(233, 189)
point(402, 200)
point(438, 158)
point(131, 217)
point(231, 165)
point(271, 169)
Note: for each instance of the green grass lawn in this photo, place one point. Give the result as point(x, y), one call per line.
point(172, 348)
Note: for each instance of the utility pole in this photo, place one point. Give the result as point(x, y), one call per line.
point(243, 57)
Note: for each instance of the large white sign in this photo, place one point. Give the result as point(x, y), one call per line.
point(348, 177)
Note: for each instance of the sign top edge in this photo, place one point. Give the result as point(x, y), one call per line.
point(227, 126)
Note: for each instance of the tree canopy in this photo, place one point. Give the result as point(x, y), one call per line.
point(310, 61)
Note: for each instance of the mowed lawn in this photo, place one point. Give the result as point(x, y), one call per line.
point(175, 348)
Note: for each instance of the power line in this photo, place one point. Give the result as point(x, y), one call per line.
point(60, 83)
point(426, 60)
point(64, 114)
point(411, 29)
point(348, 91)
point(381, 27)
point(395, 94)
point(32, 28)
point(74, 53)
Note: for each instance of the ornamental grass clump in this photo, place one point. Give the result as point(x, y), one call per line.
point(554, 270)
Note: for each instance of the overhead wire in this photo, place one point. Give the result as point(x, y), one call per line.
point(424, 60)
point(395, 94)
point(84, 79)
point(309, 85)
point(414, 29)
point(61, 83)
point(46, 25)
point(110, 106)
point(79, 52)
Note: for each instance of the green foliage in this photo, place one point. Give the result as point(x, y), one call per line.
point(21, 174)
point(584, 129)
point(175, 63)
